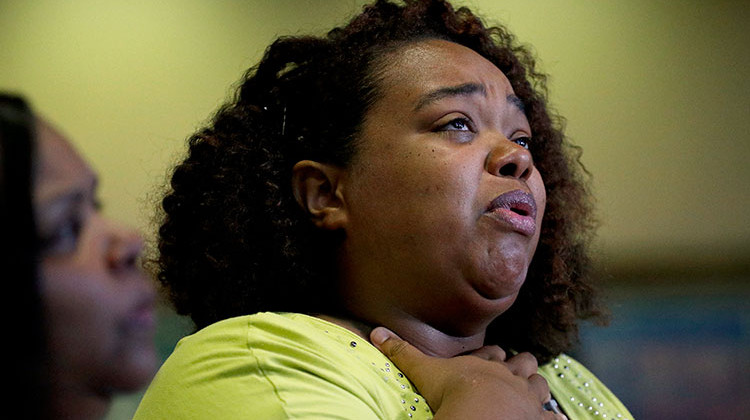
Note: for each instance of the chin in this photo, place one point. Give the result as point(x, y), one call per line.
point(136, 371)
point(498, 291)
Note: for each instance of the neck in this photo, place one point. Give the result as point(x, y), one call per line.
point(76, 403)
point(426, 338)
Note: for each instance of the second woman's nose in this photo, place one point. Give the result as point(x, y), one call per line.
point(125, 247)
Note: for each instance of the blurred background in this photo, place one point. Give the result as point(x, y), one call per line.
point(656, 93)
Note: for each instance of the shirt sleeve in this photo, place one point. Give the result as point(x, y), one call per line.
point(581, 394)
point(253, 373)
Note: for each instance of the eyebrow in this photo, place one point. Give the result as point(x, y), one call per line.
point(465, 89)
point(75, 196)
point(517, 102)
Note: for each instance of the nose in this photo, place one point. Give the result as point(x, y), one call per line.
point(125, 248)
point(508, 159)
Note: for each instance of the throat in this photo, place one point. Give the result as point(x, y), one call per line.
point(78, 403)
point(426, 338)
point(435, 342)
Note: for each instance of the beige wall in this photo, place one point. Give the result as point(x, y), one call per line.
point(657, 93)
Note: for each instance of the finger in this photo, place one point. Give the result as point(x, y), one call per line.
point(523, 365)
point(491, 353)
point(548, 415)
point(554, 416)
point(539, 387)
point(552, 406)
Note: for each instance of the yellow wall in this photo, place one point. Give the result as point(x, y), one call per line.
point(657, 93)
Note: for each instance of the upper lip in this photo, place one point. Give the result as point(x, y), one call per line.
point(517, 201)
point(143, 311)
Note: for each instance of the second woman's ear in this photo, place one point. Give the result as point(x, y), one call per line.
point(318, 190)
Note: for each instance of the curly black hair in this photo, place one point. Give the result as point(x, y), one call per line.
point(234, 241)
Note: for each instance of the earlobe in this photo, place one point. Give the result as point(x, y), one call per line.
point(318, 190)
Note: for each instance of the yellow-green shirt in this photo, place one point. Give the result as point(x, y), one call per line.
point(580, 394)
point(289, 366)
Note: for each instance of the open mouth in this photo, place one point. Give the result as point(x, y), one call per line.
point(516, 209)
point(522, 210)
point(516, 201)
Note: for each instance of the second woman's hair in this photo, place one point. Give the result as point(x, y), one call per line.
point(26, 354)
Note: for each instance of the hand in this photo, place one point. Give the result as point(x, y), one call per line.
point(481, 385)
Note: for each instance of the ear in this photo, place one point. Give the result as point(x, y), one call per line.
point(318, 190)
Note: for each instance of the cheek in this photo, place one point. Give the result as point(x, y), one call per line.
point(78, 304)
point(536, 184)
point(381, 183)
point(421, 174)
point(82, 315)
point(69, 299)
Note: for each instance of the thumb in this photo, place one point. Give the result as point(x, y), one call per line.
point(393, 346)
point(409, 359)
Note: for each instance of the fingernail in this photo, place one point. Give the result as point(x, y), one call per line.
point(379, 335)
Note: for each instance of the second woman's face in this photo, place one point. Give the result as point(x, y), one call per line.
point(99, 306)
point(444, 202)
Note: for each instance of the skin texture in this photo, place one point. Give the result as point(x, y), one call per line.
point(398, 234)
point(233, 239)
point(98, 304)
point(480, 385)
point(422, 254)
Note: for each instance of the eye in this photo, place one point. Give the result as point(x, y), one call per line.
point(522, 141)
point(458, 129)
point(457, 124)
point(64, 237)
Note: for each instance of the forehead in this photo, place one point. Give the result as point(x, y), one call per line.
point(432, 64)
point(59, 166)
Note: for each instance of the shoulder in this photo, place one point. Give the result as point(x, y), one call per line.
point(273, 365)
point(579, 392)
point(210, 370)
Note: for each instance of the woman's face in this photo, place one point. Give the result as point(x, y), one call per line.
point(99, 307)
point(444, 204)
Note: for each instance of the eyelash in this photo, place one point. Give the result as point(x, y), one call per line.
point(461, 120)
point(521, 141)
point(65, 236)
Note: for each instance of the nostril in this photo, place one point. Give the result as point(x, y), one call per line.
point(509, 160)
point(514, 170)
point(509, 169)
point(124, 262)
point(125, 254)
point(130, 261)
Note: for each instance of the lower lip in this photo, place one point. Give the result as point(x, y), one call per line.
point(142, 320)
point(525, 225)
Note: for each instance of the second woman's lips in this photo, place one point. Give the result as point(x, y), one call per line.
point(141, 319)
point(517, 209)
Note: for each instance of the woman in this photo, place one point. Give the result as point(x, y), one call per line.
point(401, 171)
point(89, 309)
